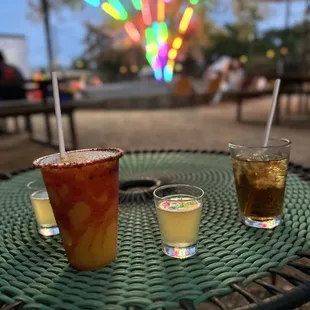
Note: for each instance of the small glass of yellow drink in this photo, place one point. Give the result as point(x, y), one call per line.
point(179, 209)
point(42, 208)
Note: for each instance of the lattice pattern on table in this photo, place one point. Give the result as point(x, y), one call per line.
point(34, 268)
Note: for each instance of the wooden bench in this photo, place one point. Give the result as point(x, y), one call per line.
point(28, 109)
point(297, 86)
point(241, 96)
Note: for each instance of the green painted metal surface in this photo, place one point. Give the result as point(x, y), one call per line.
point(34, 268)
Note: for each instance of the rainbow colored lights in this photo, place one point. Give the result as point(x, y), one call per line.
point(108, 8)
point(177, 42)
point(161, 48)
point(137, 4)
point(132, 31)
point(160, 10)
point(186, 18)
point(146, 12)
point(94, 3)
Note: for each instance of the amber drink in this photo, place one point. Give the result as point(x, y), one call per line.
point(260, 179)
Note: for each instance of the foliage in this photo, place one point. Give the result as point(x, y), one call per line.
point(35, 12)
point(236, 39)
point(229, 43)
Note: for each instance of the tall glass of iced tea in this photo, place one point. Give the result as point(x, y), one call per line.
point(260, 178)
point(83, 191)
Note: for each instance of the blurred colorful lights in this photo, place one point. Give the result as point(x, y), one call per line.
point(161, 50)
point(158, 74)
point(108, 8)
point(146, 12)
point(163, 32)
point(177, 42)
point(186, 18)
point(172, 54)
point(132, 31)
point(160, 10)
point(168, 74)
point(94, 3)
point(137, 4)
point(193, 2)
point(120, 8)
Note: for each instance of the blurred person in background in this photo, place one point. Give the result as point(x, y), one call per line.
point(96, 81)
point(232, 80)
point(11, 81)
point(11, 87)
point(78, 86)
point(36, 93)
point(236, 76)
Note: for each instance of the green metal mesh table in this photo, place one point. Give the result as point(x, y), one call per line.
point(34, 269)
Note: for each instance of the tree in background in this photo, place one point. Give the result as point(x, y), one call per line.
point(41, 9)
point(248, 14)
point(97, 41)
point(227, 42)
point(270, 47)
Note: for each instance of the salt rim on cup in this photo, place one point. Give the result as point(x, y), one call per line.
point(79, 158)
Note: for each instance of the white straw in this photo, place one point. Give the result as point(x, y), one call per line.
point(272, 110)
point(61, 141)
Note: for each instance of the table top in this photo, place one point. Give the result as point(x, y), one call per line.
point(34, 268)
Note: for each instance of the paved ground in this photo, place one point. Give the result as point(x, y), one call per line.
point(206, 127)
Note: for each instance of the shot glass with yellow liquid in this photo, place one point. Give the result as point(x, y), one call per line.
point(42, 208)
point(179, 209)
